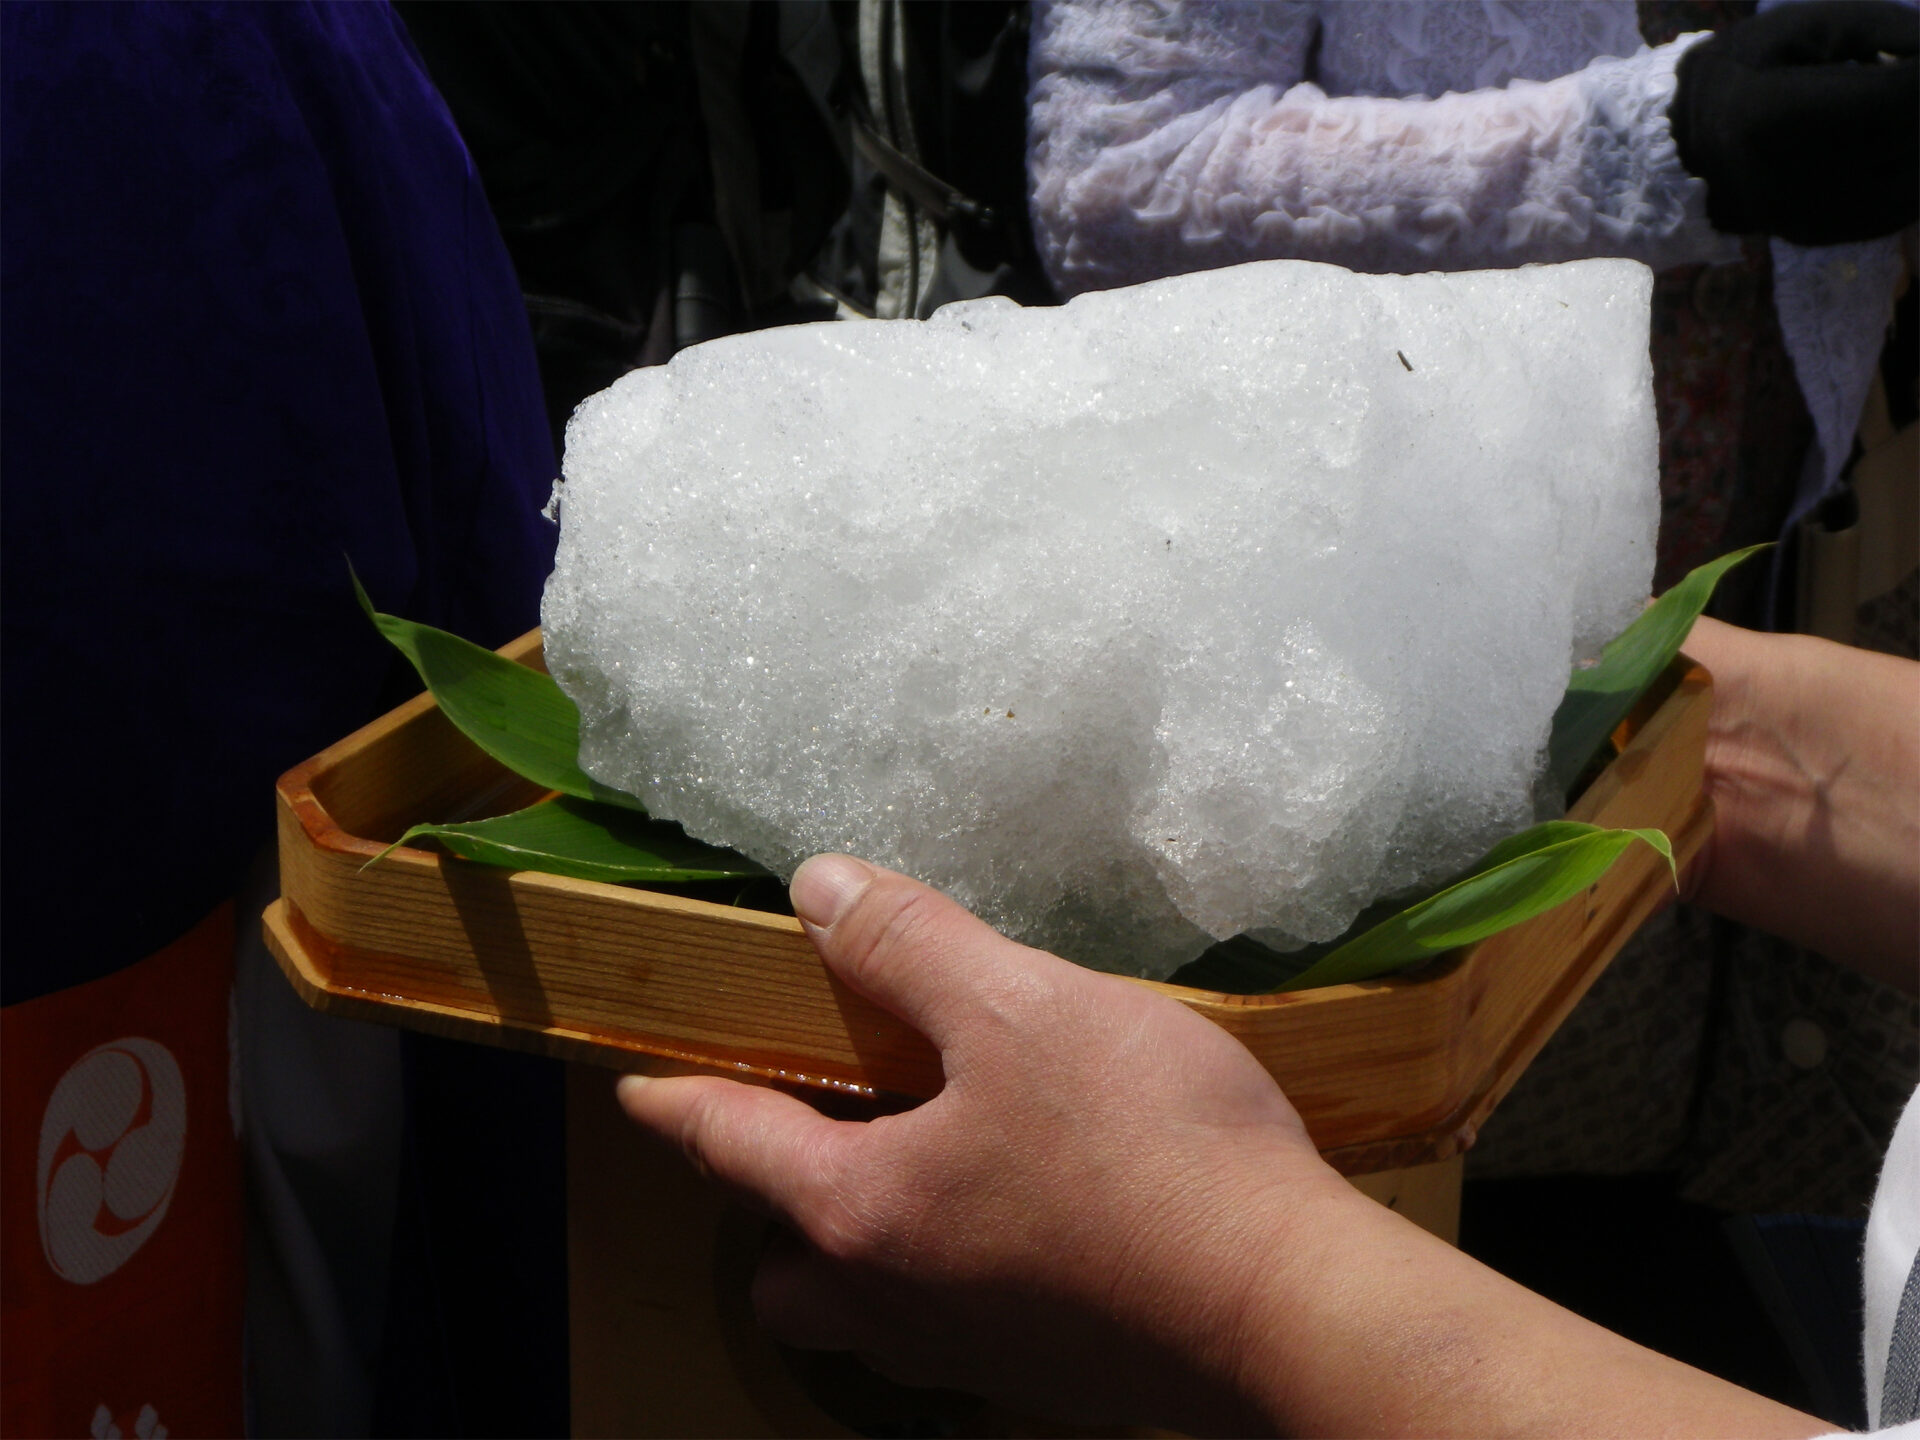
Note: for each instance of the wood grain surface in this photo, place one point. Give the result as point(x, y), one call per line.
point(1388, 1074)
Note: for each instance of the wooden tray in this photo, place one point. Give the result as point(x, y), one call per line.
point(1388, 1074)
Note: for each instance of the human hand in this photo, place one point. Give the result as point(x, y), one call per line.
point(1110, 1212)
point(1071, 1226)
point(1813, 768)
point(1799, 126)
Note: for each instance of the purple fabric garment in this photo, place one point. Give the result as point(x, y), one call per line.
point(256, 320)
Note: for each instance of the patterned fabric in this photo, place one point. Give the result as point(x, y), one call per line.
point(1809, 1067)
point(1890, 1260)
point(122, 1258)
point(1733, 428)
point(1900, 1386)
point(1891, 622)
point(1388, 47)
point(1612, 1092)
point(1200, 134)
point(1829, 297)
point(1900, 1391)
point(1769, 1081)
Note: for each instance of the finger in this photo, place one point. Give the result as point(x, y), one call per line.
point(760, 1142)
point(912, 951)
point(801, 1299)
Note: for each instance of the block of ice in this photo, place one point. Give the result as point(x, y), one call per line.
point(1226, 602)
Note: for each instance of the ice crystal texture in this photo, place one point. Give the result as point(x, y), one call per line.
point(1228, 602)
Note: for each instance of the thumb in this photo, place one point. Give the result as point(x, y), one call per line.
point(916, 953)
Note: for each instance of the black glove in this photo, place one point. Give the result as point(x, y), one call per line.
point(1799, 126)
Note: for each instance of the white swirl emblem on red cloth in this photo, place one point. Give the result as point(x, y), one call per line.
point(110, 1148)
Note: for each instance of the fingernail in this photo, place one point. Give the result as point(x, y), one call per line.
point(825, 886)
point(629, 1083)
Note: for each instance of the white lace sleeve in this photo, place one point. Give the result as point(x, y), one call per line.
point(1180, 135)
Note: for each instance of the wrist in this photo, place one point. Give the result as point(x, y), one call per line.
point(1265, 1242)
point(1813, 768)
point(1368, 1325)
point(1373, 1326)
point(1636, 114)
point(1306, 1286)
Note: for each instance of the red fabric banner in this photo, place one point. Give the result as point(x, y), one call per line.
point(122, 1222)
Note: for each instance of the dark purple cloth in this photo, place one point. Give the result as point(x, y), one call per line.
point(256, 320)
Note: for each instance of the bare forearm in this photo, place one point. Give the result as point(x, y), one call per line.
point(1813, 765)
point(1388, 1331)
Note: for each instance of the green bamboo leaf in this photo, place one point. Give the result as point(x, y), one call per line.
point(1599, 698)
point(1521, 877)
point(516, 714)
point(1538, 837)
point(588, 841)
point(1243, 966)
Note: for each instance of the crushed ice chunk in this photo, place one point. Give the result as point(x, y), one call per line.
point(1175, 612)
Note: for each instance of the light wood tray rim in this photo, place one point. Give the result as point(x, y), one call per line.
point(1457, 1031)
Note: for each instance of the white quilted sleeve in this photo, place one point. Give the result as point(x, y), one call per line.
point(1174, 136)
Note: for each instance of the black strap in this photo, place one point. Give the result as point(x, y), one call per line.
point(945, 204)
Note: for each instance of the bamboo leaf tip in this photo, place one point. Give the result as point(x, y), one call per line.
point(359, 590)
